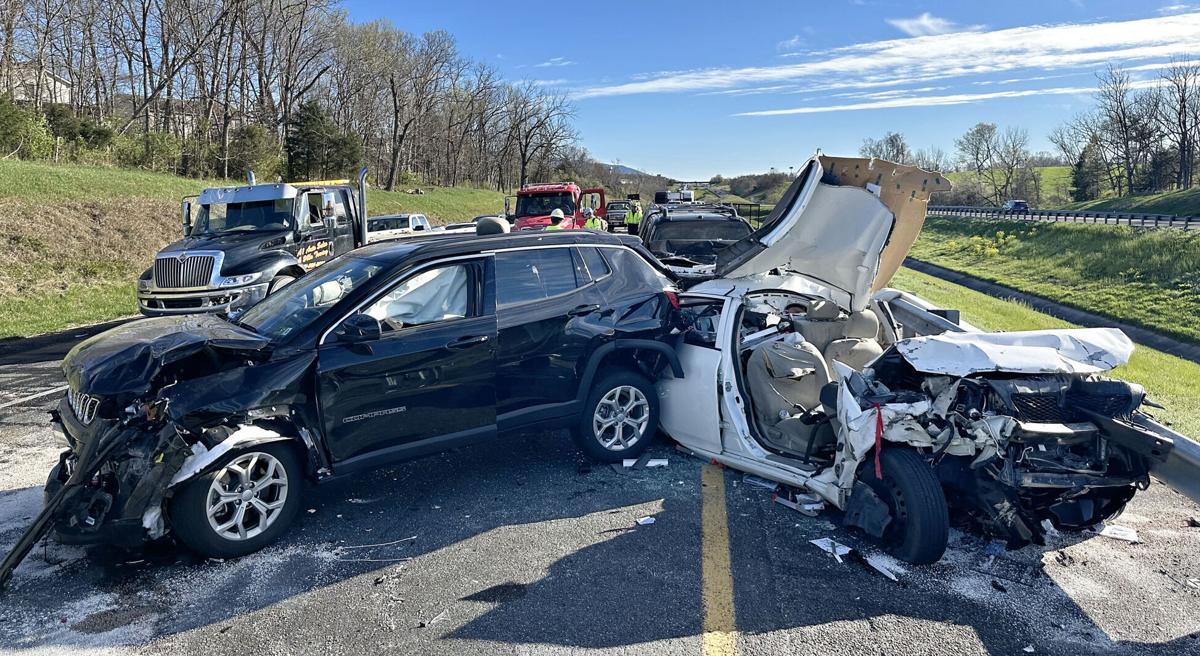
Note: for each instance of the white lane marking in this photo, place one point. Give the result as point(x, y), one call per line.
point(33, 396)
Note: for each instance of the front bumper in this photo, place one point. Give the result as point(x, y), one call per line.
point(157, 303)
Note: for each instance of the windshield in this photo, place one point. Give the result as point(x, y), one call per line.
point(256, 216)
point(544, 204)
point(701, 230)
point(618, 207)
point(299, 304)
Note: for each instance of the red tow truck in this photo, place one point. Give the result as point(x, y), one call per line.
point(535, 202)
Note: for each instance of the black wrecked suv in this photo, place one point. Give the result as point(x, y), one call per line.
point(206, 427)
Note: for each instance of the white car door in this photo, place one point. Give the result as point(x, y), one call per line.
point(689, 408)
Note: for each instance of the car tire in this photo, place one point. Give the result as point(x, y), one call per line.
point(620, 417)
point(261, 476)
point(920, 526)
point(279, 282)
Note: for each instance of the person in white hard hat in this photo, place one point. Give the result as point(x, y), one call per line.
point(556, 219)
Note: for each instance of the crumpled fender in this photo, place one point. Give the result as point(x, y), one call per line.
point(203, 459)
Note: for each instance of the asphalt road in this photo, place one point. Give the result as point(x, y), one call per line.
point(523, 547)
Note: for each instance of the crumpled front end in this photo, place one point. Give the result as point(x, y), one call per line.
point(1018, 450)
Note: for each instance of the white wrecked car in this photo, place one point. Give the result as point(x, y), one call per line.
point(801, 368)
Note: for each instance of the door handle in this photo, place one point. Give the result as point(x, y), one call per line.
point(580, 310)
point(464, 342)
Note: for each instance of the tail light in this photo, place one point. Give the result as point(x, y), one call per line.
point(672, 298)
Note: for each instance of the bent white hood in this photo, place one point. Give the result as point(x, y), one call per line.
point(846, 223)
point(1073, 351)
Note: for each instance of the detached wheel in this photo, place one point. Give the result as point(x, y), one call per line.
point(279, 282)
point(620, 417)
point(241, 506)
point(920, 526)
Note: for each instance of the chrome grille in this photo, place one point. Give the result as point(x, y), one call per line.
point(83, 405)
point(183, 271)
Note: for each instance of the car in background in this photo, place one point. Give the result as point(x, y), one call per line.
point(687, 238)
point(1015, 206)
point(615, 213)
point(815, 375)
point(207, 428)
point(396, 226)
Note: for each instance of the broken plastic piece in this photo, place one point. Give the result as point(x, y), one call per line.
point(656, 462)
point(1120, 533)
point(751, 479)
point(829, 545)
point(645, 521)
point(801, 505)
point(881, 565)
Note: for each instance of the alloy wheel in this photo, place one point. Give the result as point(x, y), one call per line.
point(621, 418)
point(246, 496)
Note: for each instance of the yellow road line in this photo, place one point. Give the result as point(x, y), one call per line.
point(720, 623)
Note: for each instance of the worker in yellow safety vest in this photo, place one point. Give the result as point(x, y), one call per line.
point(633, 220)
point(556, 219)
point(591, 221)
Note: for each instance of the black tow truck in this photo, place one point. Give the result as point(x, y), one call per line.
point(242, 243)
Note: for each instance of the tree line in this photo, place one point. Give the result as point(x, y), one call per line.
point(290, 88)
point(1140, 137)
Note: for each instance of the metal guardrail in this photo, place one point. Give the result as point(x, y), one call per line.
point(1132, 219)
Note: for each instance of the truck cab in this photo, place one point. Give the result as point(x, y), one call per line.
point(242, 243)
point(535, 202)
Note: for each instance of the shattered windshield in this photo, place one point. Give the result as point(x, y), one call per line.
point(544, 204)
point(256, 216)
point(294, 307)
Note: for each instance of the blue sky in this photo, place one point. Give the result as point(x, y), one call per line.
point(694, 89)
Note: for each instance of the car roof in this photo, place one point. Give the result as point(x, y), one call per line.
point(441, 244)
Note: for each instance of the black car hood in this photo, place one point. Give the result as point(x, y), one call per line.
point(126, 359)
point(239, 247)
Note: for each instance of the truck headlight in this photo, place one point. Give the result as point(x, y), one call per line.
point(143, 285)
point(238, 281)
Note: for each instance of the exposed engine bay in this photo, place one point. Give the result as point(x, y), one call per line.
point(1020, 428)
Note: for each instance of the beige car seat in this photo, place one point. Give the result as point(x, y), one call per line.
point(821, 324)
point(785, 380)
point(859, 344)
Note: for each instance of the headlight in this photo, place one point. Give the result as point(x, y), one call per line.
point(143, 285)
point(238, 281)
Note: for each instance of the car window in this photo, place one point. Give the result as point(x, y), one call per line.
point(596, 265)
point(633, 266)
point(432, 295)
point(304, 301)
point(531, 275)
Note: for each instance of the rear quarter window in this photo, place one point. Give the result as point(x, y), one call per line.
point(532, 275)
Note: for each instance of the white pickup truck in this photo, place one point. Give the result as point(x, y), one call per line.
point(396, 226)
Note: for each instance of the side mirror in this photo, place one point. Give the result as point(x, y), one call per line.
point(186, 208)
point(359, 328)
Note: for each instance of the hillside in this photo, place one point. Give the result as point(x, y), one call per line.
point(74, 238)
point(1144, 277)
point(1182, 203)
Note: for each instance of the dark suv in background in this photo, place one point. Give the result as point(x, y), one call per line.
point(687, 238)
point(206, 427)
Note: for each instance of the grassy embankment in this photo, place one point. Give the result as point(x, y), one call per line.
point(1150, 278)
point(1171, 381)
point(74, 238)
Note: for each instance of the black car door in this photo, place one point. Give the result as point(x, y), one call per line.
point(426, 382)
point(549, 316)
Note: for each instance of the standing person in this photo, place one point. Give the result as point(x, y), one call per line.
point(591, 221)
point(633, 220)
point(556, 219)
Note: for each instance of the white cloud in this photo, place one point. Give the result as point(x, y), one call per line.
point(1177, 8)
point(934, 101)
point(554, 62)
point(926, 25)
point(1040, 49)
point(550, 83)
point(788, 45)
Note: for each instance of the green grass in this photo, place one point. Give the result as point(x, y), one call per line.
point(1171, 381)
point(79, 305)
point(1144, 277)
point(1180, 203)
point(50, 183)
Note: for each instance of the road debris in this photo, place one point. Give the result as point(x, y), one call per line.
point(755, 481)
point(998, 586)
point(645, 462)
point(381, 544)
point(437, 618)
point(1120, 533)
point(1029, 649)
point(645, 521)
point(829, 545)
point(1193, 522)
point(881, 565)
point(805, 504)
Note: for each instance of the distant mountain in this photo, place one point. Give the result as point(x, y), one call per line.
point(627, 170)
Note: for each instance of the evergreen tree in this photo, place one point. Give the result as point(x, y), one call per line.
point(1087, 175)
point(316, 148)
